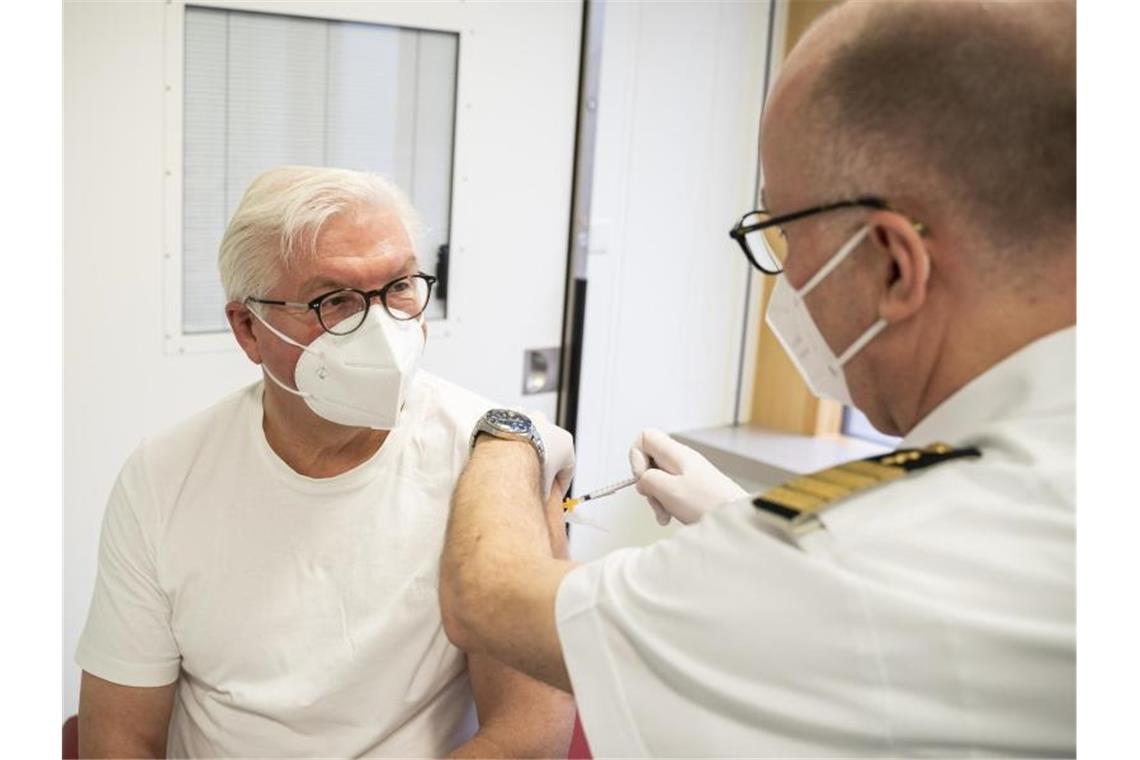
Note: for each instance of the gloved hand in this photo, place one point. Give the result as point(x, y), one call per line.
point(678, 481)
point(560, 461)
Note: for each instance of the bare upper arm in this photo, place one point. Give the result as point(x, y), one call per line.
point(500, 602)
point(123, 721)
point(501, 567)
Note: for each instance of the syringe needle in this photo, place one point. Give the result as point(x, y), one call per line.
point(569, 504)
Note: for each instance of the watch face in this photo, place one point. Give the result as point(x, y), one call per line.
point(508, 421)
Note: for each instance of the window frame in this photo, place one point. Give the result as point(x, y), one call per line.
point(175, 340)
point(779, 399)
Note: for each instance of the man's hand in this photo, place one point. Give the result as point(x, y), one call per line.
point(678, 481)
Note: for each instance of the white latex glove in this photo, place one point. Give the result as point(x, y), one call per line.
point(678, 481)
point(559, 470)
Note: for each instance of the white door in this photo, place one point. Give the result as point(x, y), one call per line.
point(132, 366)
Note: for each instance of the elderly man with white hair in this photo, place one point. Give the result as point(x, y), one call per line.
point(268, 569)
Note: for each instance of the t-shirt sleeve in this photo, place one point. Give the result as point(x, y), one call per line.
point(128, 638)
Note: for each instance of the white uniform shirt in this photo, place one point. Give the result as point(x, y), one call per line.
point(934, 616)
point(300, 616)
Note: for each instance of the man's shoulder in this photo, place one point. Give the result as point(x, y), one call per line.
point(178, 446)
point(1003, 482)
point(448, 404)
point(1007, 476)
point(943, 536)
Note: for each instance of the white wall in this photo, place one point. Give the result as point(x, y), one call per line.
point(118, 382)
point(679, 106)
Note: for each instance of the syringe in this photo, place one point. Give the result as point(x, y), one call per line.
point(569, 504)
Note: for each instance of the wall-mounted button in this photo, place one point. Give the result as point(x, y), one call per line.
point(540, 370)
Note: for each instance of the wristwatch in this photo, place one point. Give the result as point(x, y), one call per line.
point(512, 426)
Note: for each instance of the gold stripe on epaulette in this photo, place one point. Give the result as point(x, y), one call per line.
point(878, 472)
point(818, 487)
point(852, 481)
point(801, 502)
point(793, 506)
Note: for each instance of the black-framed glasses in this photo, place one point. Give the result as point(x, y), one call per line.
point(758, 232)
point(342, 311)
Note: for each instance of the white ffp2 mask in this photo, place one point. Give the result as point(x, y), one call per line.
point(791, 322)
point(359, 379)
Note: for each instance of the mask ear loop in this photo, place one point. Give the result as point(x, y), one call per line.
point(827, 269)
point(836, 260)
point(287, 339)
point(863, 340)
point(275, 331)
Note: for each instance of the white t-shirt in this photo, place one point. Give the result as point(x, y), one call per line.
point(300, 616)
point(934, 615)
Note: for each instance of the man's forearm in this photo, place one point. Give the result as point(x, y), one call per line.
point(481, 745)
point(123, 721)
point(548, 739)
point(518, 716)
point(498, 575)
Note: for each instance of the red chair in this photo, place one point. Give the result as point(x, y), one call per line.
point(71, 738)
point(579, 749)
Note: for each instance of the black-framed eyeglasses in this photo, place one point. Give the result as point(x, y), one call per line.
point(342, 311)
point(759, 235)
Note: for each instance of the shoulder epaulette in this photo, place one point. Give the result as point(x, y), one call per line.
point(793, 507)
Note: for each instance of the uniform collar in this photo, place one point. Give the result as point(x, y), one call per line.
point(1039, 379)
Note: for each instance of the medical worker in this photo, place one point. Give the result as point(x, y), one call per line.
point(919, 221)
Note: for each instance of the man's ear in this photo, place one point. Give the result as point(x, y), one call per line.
point(241, 322)
point(909, 271)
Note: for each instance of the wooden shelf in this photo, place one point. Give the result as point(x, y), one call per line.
point(760, 458)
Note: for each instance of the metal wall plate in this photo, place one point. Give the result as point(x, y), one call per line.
point(541, 370)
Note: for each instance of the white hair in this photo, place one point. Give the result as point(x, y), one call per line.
point(282, 212)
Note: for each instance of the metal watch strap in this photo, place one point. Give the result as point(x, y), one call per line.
point(510, 425)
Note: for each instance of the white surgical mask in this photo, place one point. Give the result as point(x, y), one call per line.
point(791, 322)
point(359, 379)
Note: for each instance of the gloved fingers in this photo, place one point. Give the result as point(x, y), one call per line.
point(638, 462)
point(657, 484)
point(663, 516)
point(665, 452)
point(560, 459)
point(562, 481)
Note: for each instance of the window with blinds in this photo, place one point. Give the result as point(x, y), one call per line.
point(261, 90)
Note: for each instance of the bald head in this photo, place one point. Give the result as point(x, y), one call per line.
point(965, 110)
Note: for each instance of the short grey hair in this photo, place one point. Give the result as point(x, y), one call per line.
point(974, 102)
point(281, 214)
